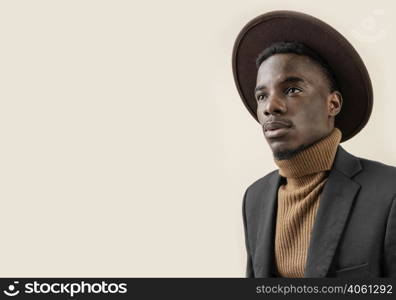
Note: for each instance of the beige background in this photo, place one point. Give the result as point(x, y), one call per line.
point(125, 149)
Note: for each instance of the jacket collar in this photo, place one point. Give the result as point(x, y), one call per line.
point(335, 203)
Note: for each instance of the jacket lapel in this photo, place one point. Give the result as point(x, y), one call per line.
point(335, 204)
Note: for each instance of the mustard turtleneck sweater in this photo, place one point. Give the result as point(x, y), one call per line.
point(298, 202)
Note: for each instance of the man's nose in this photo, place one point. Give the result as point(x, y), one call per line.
point(274, 106)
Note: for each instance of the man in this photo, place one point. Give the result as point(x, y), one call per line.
point(324, 212)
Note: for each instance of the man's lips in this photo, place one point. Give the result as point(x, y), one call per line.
point(276, 129)
point(274, 125)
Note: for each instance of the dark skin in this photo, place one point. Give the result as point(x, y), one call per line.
point(295, 105)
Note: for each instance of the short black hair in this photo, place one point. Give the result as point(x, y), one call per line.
point(300, 49)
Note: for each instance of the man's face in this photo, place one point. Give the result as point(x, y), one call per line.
point(294, 103)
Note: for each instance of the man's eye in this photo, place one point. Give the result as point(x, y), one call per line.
point(292, 90)
point(261, 97)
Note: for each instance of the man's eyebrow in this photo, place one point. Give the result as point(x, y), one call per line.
point(289, 79)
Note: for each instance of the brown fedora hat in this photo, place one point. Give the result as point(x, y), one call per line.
point(349, 70)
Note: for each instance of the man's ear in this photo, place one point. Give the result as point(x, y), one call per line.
point(334, 103)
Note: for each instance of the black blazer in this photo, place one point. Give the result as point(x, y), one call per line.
point(354, 233)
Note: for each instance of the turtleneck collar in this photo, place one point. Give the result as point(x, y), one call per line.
point(316, 158)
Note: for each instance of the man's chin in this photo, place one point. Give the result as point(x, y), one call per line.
point(288, 153)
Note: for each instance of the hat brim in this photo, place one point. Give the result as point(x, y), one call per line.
point(350, 72)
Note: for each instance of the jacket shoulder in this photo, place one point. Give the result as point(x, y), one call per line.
point(255, 191)
point(381, 175)
point(262, 182)
point(377, 168)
